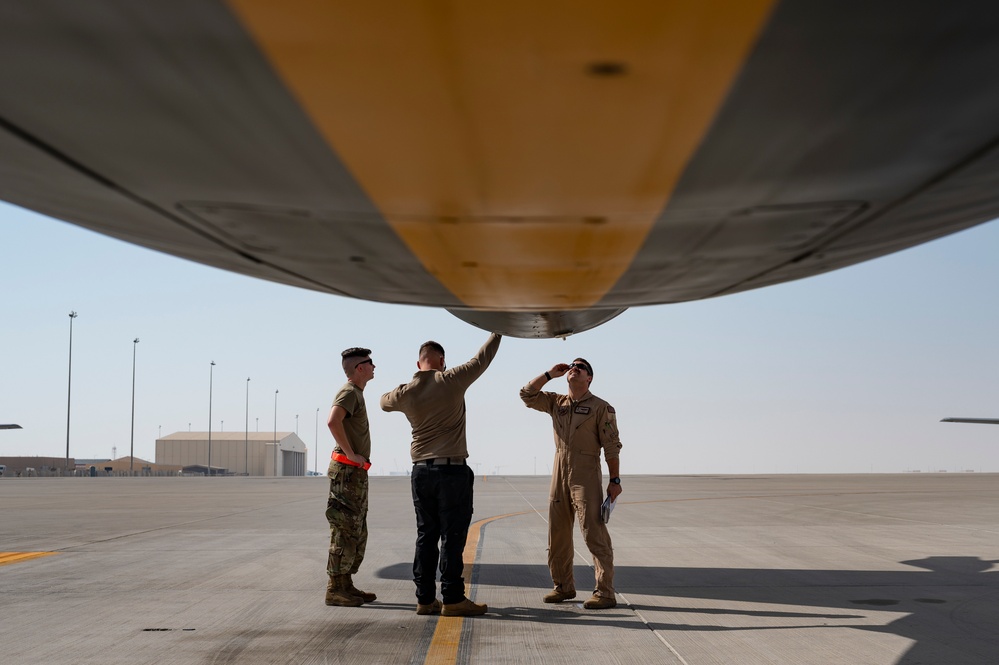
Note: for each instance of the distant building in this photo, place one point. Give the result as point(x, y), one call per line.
point(41, 466)
point(124, 466)
point(254, 454)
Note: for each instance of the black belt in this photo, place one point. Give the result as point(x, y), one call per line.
point(442, 461)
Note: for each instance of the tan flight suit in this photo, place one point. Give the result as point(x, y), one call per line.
point(582, 429)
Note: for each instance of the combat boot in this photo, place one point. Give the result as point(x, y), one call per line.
point(432, 608)
point(354, 591)
point(596, 602)
point(557, 596)
point(337, 595)
point(464, 608)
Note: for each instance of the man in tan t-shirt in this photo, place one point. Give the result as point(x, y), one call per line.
point(434, 403)
point(347, 506)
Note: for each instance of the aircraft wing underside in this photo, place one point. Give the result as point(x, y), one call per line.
point(535, 169)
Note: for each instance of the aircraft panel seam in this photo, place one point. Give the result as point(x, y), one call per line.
point(848, 228)
point(106, 182)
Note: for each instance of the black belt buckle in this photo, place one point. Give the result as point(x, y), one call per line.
point(445, 461)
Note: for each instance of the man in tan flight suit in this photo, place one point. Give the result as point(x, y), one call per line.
point(584, 424)
point(347, 505)
point(434, 403)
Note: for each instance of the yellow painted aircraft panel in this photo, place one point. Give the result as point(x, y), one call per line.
point(522, 178)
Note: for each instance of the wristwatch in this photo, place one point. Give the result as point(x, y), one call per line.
point(616, 481)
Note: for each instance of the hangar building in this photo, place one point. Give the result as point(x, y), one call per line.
point(240, 453)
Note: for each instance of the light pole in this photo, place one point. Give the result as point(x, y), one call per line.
point(315, 451)
point(159, 432)
point(296, 424)
point(275, 433)
point(211, 371)
point(131, 445)
point(69, 389)
point(246, 435)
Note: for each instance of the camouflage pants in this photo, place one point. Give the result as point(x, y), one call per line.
point(347, 513)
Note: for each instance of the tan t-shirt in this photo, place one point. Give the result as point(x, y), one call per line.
point(434, 403)
point(355, 424)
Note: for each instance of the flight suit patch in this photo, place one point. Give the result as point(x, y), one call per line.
point(582, 409)
point(562, 410)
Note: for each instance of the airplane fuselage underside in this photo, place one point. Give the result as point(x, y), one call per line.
point(534, 169)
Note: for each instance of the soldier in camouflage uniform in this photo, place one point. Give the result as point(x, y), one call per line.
point(347, 508)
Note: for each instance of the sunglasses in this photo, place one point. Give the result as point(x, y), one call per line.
point(581, 366)
point(369, 361)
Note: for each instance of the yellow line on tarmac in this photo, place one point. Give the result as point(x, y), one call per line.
point(444, 645)
point(447, 637)
point(17, 557)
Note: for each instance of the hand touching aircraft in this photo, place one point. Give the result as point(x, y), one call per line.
point(534, 167)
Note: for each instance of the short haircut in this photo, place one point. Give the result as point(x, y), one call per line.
point(433, 346)
point(352, 357)
point(589, 367)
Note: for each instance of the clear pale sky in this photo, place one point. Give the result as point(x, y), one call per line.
point(847, 372)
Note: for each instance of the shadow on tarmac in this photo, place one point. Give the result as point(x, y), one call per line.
point(949, 604)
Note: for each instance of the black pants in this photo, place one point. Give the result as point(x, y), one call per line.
point(442, 496)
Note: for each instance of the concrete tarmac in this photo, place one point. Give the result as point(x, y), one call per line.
point(709, 569)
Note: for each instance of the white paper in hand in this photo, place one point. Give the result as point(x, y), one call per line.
point(606, 508)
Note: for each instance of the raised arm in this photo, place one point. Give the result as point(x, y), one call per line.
point(466, 373)
point(538, 382)
point(531, 394)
